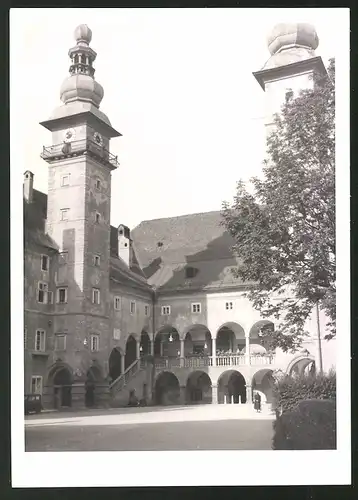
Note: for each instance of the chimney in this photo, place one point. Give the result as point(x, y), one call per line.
point(28, 186)
point(125, 244)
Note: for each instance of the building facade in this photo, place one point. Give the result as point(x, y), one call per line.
point(156, 310)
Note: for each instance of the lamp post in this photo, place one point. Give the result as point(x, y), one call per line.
point(320, 360)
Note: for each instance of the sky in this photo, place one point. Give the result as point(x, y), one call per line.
point(178, 85)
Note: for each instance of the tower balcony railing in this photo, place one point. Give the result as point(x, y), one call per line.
point(77, 148)
point(215, 361)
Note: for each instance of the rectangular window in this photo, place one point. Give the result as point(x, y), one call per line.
point(64, 213)
point(165, 310)
point(97, 260)
point(49, 297)
point(116, 334)
point(229, 306)
point(196, 308)
point(94, 343)
point(60, 342)
point(96, 296)
point(36, 384)
point(62, 295)
point(65, 180)
point(98, 217)
point(42, 292)
point(40, 340)
point(146, 310)
point(44, 263)
point(98, 184)
point(117, 303)
point(132, 307)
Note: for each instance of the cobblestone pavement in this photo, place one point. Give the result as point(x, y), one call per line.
point(204, 427)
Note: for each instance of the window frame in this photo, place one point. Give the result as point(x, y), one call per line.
point(229, 305)
point(42, 343)
point(47, 260)
point(95, 258)
point(60, 335)
point(36, 377)
point(196, 305)
point(116, 299)
point(146, 310)
point(97, 217)
point(65, 176)
point(44, 290)
point(96, 291)
point(96, 184)
point(94, 337)
point(132, 310)
point(64, 212)
point(166, 310)
point(116, 337)
point(65, 288)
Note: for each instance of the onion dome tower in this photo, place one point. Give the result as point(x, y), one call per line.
point(291, 67)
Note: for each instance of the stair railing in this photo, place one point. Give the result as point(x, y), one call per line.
point(124, 378)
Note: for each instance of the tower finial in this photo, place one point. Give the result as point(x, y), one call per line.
point(83, 34)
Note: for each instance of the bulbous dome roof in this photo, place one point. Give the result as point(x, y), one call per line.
point(82, 88)
point(83, 34)
point(288, 34)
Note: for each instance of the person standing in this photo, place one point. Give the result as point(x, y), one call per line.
point(257, 402)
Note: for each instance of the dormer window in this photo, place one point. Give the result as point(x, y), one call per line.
point(190, 272)
point(120, 231)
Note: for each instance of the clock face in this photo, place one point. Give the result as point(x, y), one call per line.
point(70, 135)
point(98, 138)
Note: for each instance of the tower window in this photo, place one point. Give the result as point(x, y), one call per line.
point(229, 306)
point(196, 308)
point(98, 184)
point(40, 340)
point(132, 307)
point(159, 244)
point(98, 217)
point(62, 295)
point(146, 310)
point(64, 213)
point(97, 260)
point(96, 296)
point(65, 180)
point(44, 263)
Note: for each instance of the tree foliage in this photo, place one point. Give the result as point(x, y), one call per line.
point(284, 223)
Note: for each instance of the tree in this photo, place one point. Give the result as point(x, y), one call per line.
point(283, 224)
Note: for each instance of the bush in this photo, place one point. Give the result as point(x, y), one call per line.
point(289, 392)
point(310, 426)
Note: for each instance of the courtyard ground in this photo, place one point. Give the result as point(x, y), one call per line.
point(202, 427)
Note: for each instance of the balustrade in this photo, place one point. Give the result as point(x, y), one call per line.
point(218, 360)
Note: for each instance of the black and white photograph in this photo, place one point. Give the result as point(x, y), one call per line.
point(182, 256)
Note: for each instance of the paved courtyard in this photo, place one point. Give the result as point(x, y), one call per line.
point(205, 427)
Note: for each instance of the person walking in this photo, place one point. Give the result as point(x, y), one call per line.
point(257, 402)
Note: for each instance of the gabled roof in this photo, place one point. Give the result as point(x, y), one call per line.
point(166, 247)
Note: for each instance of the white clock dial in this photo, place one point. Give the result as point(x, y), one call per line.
point(70, 135)
point(98, 139)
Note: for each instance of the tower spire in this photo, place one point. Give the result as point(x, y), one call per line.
point(81, 85)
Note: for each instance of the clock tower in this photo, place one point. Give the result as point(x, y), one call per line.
point(78, 212)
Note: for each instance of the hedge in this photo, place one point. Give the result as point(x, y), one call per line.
point(310, 426)
point(289, 392)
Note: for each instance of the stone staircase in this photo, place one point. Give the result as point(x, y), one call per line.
point(135, 377)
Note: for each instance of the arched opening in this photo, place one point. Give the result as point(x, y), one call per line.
point(167, 343)
point(263, 382)
point(231, 388)
point(198, 388)
point(131, 351)
point(261, 337)
point(197, 341)
point(115, 364)
point(167, 389)
point(230, 339)
point(144, 348)
point(93, 376)
point(62, 385)
point(302, 365)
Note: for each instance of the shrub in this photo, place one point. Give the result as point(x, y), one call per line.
point(289, 392)
point(310, 426)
